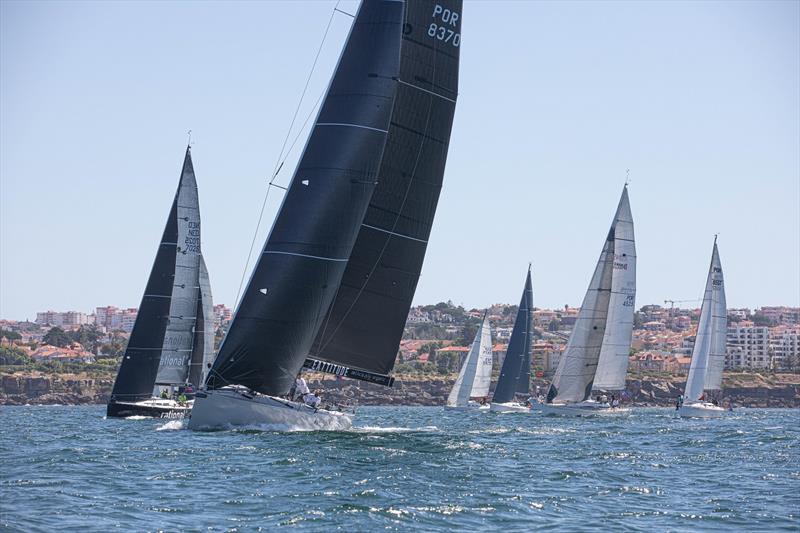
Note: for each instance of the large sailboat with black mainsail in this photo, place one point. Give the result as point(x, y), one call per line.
point(333, 286)
point(475, 376)
point(513, 385)
point(596, 356)
point(172, 338)
point(708, 354)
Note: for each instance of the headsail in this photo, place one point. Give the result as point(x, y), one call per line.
point(612, 365)
point(516, 371)
point(301, 266)
point(168, 303)
point(708, 355)
point(473, 379)
point(364, 325)
point(576, 369)
point(203, 348)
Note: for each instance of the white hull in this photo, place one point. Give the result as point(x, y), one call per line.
point(700, 410)
point(228, 408)
point(583, 409)
point(471, 406)
point(152, 408)
point(510, 407)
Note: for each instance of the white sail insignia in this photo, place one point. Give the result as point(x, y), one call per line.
point(708, 355)
point(476, 372)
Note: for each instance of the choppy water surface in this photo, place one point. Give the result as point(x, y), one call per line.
point(67, 468)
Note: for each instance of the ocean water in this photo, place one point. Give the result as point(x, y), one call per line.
point(402, 468)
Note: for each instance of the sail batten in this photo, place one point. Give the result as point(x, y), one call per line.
point(363, 326)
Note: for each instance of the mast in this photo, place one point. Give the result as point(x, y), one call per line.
point(160, 335)
point(363, 327)
point(612, 365)
point(576, 369)
point(301, 266)
point(516, 371)
point(473, 369)
point(708, 354)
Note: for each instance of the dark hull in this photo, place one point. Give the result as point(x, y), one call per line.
point(124, 410)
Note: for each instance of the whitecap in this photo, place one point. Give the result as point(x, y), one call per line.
point(172, 425)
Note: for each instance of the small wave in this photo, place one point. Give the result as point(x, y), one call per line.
point(378, 429)
point(172, 425)
point(138, 417)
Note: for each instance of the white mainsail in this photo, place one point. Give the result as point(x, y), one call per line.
point(476, 372)
point(708, 355)
point(179, 337)
point(612, 365)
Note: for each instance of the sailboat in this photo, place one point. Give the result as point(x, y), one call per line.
point(172, 339)
point(476, 373)
point(596, 356)
point(333, 286)
point(515, 375)
point(708, 355)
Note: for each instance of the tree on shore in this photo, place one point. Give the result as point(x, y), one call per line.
point(57, 337)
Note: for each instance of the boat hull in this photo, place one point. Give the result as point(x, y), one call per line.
point(583, 409)
point(510, 407)
point(227, 408)
point(152, 408)
point(701, 410)
point(469, 407)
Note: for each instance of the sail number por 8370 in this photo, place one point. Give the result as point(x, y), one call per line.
point(441, 30)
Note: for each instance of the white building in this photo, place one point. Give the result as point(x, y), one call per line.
point(748, 346)
point(785, 348)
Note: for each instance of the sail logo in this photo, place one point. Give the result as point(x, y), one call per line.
point(173, 360)
point(620, 266)
point(441, 29)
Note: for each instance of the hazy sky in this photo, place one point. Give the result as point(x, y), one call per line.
point(700, 100)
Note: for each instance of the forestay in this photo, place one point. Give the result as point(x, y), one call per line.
point(708, 355)
point(301, 266)
point(612, 365)
point(364, 325)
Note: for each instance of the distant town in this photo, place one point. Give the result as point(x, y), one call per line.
point(437, 337)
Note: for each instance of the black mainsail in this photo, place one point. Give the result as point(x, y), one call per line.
point(515, 376)
point(162, 338)
point(300, 269)
point(363, 327)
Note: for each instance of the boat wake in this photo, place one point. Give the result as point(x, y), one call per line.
point(138, 417)
point(172, 425)
point(378, 429)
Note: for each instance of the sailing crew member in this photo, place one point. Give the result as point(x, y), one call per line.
point(301, 387)
point(164, 394)
point(312, 400)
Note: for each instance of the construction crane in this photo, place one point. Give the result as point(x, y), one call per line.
point(673, 302)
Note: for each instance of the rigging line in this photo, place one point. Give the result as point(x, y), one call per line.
point(278, 163)
point(394, 225)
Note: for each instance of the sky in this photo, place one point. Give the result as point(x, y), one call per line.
point(557, 100)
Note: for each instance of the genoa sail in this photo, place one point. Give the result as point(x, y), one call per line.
point(203, 347)
point(473, 379)
point(612, 365)
point(516, 371)
point(300, 268)
point(363, 326)
point(163, 327)
point(708, 355)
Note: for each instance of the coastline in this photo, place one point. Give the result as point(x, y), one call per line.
point(742, 389)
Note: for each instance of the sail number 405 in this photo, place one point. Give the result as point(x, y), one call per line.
point(446, 19)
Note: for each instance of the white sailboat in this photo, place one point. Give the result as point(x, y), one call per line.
point(596, 356)
point(708, 355)
point(476, 372)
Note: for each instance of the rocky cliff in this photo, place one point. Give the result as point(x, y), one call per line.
point(747, 390)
